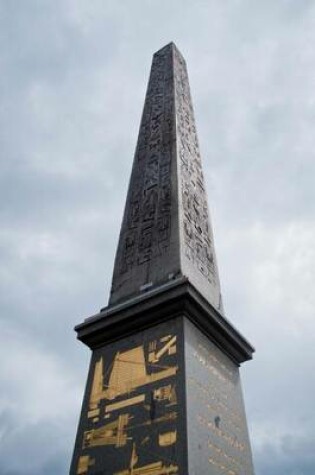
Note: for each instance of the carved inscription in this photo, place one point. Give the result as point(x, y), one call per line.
point(166, 230)
point(197, 233)
point(217, 417)
point(147, 227)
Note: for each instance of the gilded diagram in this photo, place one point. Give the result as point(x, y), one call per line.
point(131, 390)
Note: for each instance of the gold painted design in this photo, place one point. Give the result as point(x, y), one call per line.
point(156, 468)
point(85, 461)
point(169, 348)
point(168, 438)
point(93, 413)
point(125, 403)
point(113, 433)
point(128, 373)
point(152, 345)
point(165, 338)
point(97, 387)
point(166, 393)
point(170, 416)
point(134, 457)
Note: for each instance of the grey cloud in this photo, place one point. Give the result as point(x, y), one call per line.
point(73, 79)
point(294, 456)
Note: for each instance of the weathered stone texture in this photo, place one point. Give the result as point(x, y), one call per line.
point(166, 230)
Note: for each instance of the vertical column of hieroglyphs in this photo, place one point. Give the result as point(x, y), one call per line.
point(197, 237)
point(146, 229)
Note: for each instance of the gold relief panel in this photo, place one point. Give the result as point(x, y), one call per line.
point(167, 438)
point(155, 468)
point(167, 346)
point(128, 373)
point(113, 433)
point(130, 418)
point(85, 461)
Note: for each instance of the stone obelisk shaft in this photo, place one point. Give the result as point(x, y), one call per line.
point(166, 231)
point(163, 395)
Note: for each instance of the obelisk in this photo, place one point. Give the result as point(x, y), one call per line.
point(163, 395)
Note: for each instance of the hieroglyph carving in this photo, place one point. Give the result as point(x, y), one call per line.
point(198, 240)
point(147, 225)
point(166, 230)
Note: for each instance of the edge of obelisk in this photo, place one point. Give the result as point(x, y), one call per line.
point(177, 298)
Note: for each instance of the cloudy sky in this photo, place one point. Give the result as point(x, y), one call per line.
point(72, 85)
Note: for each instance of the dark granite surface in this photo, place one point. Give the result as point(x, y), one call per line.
point(166, 229)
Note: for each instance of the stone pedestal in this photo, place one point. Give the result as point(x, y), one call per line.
point(165, 399)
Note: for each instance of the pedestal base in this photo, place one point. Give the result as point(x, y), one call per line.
point(164, 400)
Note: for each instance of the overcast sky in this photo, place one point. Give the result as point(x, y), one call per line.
point(72, 84)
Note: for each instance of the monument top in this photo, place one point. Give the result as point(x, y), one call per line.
point(166, 232)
